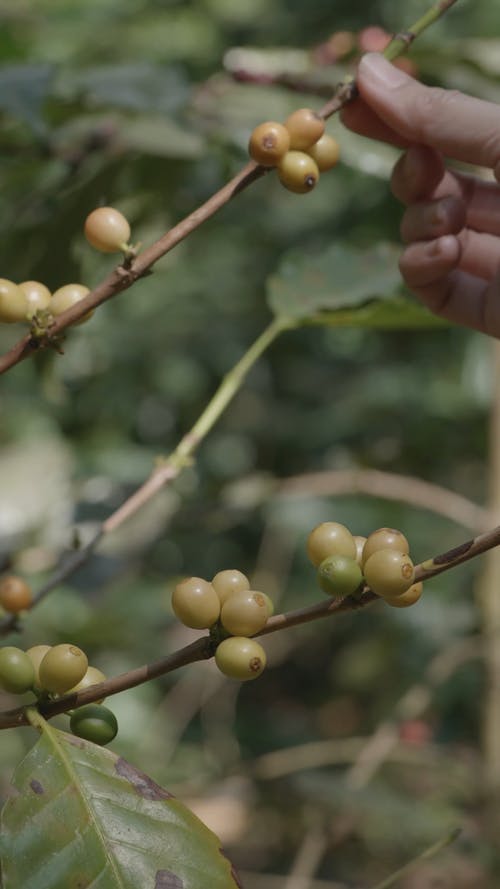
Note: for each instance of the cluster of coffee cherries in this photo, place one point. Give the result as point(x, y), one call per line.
point(107, 230)
point(228, 607)
point(346, 563)
point(299, 149)
point(49, 671)
point(21, 302)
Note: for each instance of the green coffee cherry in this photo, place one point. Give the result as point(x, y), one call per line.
point(17, 674)
point(339, 575)
point(94, 723)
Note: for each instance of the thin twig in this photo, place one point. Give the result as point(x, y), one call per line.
point(424, 856)
point(203, 648)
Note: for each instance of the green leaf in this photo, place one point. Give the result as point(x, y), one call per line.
point(82, 817)
point(23, 89)
point(337, 278)
point(395, 313)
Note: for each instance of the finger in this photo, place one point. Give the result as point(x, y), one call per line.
point(460, 126)
point(426, 221)
point(360, 118)
point(416, 176)
point(480, 254)
point(432, 272)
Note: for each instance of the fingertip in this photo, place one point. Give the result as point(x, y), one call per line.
point(424, 263)
point(417, 173)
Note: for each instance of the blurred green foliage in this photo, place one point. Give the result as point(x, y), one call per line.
point(129, 103)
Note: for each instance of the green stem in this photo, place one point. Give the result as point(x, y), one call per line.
point(401, 41)
point(173, 465)
point(424, 856)
point(229, 387)
point(347, 90)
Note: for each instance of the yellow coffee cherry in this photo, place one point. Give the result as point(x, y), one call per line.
point(68, 296)
point(13, 302)
point(244, 613)
point(93, 676)
point(384, 538)
point(229, 581)
point(62, 667)
point(196, 603)
point(107, 230)
point(305, 127)
point(240, 658)
point(409, 597)
point(269, 142)
point(360, 542)
point(37, 296)
point(329, 539)
point(326, 152)
point(389, 572)
point(36, 655)
point(298, 172)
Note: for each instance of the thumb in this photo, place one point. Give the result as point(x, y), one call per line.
point(460, 126)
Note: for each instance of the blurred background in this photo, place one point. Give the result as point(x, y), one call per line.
point(370, 735)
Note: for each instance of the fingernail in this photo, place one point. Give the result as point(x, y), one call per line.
point(376, 68)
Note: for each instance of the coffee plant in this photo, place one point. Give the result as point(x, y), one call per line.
point(126, 312)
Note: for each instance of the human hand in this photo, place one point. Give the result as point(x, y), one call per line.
point(452, 221)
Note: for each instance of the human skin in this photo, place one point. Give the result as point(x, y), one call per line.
point(451, 225)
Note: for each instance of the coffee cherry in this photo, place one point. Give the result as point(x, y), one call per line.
point(269, 603)
point(298, 172)
point(360, 541)
point(339, 575)
point(107, 230)
point(37, 296)
point(328, 539)
point(244, 613)
point(305, 128)
point(230, 581)
point(240, 658)
point(196, 603)
point(384, 538)
point(93, 676)
point(326, 152)
point(15, 594)
point(66, 297)
point(409, 597)
point(269, 142)
point(13, 303)
point(94, 723)
point(16, 670)
point(389, 572)
point(62, 667)
point(36, 655)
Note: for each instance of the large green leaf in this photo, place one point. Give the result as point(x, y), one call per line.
point(344, 285)
point(83, 817)
point(336, 278)
point(391, 313)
